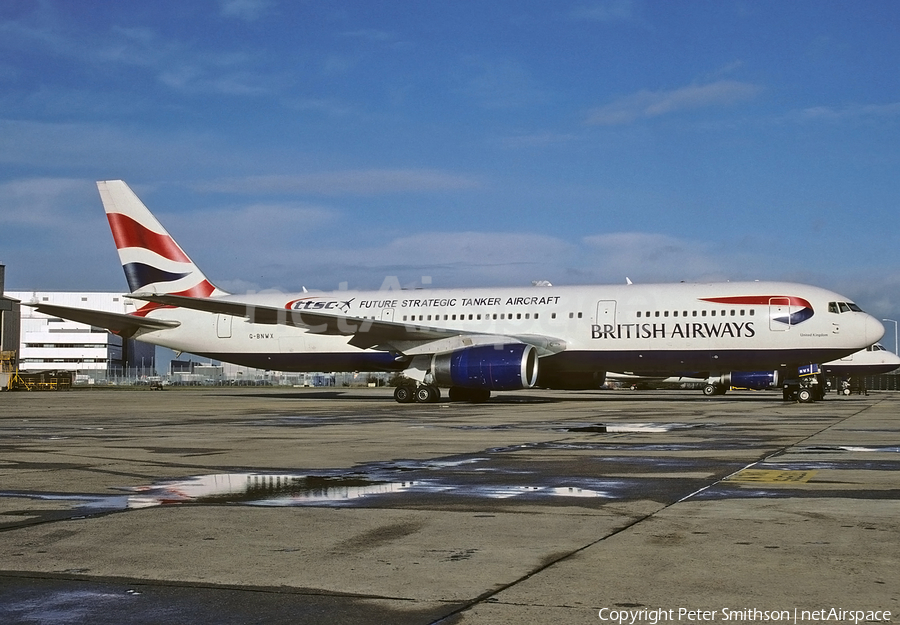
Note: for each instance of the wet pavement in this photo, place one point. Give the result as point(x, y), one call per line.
point(274, 506)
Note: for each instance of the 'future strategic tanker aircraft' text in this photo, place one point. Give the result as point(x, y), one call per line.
point(472, 341)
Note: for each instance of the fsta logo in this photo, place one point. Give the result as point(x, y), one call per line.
point(786, 309)
point(319, 303)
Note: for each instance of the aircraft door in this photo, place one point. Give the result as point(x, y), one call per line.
point(223, 326)
point(779, 314)
point(387, 314)
point(606, 313)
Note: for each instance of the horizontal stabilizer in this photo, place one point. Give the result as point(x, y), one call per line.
point(119, 323)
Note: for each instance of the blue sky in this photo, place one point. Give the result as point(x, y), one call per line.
point(288, 143)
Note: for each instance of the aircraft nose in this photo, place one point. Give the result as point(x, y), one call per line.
point(874, 329)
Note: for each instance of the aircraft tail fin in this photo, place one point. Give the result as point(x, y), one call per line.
point(152, 260)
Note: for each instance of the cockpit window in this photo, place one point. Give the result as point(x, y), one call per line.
point(842, 307)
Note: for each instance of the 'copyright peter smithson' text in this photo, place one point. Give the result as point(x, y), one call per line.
point(653, 617)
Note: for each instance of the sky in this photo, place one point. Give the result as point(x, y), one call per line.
point(289, 144)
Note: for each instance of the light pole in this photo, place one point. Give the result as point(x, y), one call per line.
point(895, 334)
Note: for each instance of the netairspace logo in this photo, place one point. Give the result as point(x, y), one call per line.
point(729, 615)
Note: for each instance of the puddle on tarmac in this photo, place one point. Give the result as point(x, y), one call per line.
point(818, 449)
point(285, 489)
point(635, 428)
point(298, 490)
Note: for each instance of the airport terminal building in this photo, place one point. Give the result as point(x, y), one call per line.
point(48, 342)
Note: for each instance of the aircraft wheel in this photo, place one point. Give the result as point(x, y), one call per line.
point(804, 396)
point(428, 394)
point(710, 389)
point(457, 394)
point(404, 394)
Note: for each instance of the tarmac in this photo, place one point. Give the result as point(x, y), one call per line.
point(256, 505)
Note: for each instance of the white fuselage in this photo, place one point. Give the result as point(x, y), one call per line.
point(660, 327)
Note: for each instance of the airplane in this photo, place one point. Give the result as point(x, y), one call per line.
point(872, 360)
point(472, 341)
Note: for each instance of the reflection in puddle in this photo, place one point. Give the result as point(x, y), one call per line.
point(635, 428)
point(827, 448)
point(297, 490)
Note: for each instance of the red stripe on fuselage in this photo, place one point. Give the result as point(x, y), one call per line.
point(759, 299)
point(129, 233)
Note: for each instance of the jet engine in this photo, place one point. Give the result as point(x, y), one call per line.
point(756, 380)
point(506, 367)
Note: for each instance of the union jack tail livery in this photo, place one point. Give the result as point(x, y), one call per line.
point(153, 262)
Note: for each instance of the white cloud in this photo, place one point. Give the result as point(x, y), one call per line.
point(350, 182)
point(501, 84)
point(653, 254)
point(852, 112)
point(647, 104)
point(248, 10)
point(42, 202)
point(607, 11)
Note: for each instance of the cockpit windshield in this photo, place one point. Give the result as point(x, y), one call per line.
point(842, 307)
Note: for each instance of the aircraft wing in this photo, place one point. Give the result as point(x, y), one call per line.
point(119, 323)
point(365, 333)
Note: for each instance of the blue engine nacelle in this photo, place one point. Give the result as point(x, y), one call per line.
point(506, 367)
point(756, 380)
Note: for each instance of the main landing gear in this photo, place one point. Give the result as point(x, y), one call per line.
point(424, 394)
point(429, 394)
